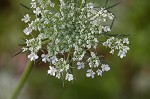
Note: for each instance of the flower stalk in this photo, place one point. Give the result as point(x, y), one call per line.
point(23, 79)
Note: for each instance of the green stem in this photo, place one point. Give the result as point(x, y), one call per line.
point(23, 79)
point(81, 4)
point(68, 56)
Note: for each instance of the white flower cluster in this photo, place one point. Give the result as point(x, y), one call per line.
point(61, 67)
point(118, 44)
point(68, 33)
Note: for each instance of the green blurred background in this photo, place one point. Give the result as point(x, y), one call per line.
point(129, 77)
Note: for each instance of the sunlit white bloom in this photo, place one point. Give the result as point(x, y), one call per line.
point(90, 73)
point(125, 40)
point(53, 59)
point(97, 63)
point(80, 65)
point(34, 44)
point(105, 67)
point(111, 16)
point(41, 36)
point(33, 4)
point(45, 58)
point(93, 55)
point(112, 51)
point(121, 54)
point(90, 5)
point(52, 71)
point(33, 56)
point(91, 64)
point(106, 29)
point(69, 77)
point(125, 48)
point(27, 30)
point(94, 60)
point(58, 75)
point(37, 11)
point(52, 4)
point(24, 49)
point(103, 12)
point(99, 72)
point(61, 65)
point(26, 18)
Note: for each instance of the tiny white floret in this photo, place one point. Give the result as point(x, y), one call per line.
point(33, 56)
point(99, 72)
point(52, 71)
point(105, 67)
point(69, 77)
point(90, 73)
point(45, 58)
point(80, 65)
point(27, 30)
point(26, 18)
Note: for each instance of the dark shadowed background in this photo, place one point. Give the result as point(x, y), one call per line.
point(129, 78)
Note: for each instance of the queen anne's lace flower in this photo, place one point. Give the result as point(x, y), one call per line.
point(99, 72)
point(37, 11)
point(26, 18)
point(53, 59)
point(45, 58)
point(69, 77)
point(90, 73)
point(80, 65)
point(68, 34)
point(106, 29)
point(105, 67)
point(52, 71)
point(33, 56)
point(27, 30)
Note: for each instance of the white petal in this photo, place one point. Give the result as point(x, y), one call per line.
point(88, 74)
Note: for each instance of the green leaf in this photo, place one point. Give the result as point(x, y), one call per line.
point(118, 35)
point(25, 6)
point(112, 6)
point(113, 21)
point(17, 54)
